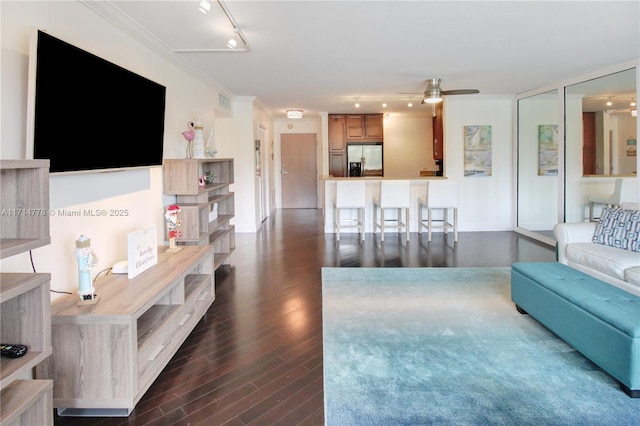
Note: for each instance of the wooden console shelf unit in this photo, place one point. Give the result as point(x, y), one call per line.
point(24, 224)
point(181, 178)
point(24, 297)
point(108, 354)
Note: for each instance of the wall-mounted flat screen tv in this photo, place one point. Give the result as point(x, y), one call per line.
point(88, 114)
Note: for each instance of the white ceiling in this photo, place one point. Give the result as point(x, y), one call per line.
point(312, 55)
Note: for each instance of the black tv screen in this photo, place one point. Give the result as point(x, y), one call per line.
point(92, 115)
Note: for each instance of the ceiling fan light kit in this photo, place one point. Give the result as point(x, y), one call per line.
point(433, 94)
point(432, 99)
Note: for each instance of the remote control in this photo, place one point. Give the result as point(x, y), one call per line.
point(12, 351)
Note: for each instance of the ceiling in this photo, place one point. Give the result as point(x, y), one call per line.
point(322, 55)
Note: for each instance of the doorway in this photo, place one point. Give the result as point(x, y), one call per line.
point(299, 171)
point(262, 175)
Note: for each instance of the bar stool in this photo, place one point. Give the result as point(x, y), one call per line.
point(394, 194)
point(608, 200)
point(350, 194)
point(441, 195)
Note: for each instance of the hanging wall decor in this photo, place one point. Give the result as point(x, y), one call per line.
point(631, 147)
point(477, 150)
point(548, 150)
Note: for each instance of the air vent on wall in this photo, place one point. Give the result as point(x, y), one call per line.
point(224, 101)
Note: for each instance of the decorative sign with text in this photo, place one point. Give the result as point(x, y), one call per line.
point(142, 250)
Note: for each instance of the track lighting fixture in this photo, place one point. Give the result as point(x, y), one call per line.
point(237, 43)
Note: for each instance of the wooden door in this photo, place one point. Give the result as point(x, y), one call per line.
point(299, 171)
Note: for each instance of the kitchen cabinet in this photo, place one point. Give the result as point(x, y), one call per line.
point(25, 312)
point(364, 128)
point(438, 134)
point(337, 164)
point(438, 139)
point(345, 128)
point(337, 144)
point(337, 128)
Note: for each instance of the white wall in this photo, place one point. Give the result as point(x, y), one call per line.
point(538, 202)
point(139, 193)
point(485, 202)
point(625, 126)
point(408, 144)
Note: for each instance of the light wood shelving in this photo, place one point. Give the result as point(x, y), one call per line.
point(108, 354)
point(181, 178)
point(25, 315)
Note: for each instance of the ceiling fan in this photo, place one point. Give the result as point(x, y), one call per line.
point(433, 93)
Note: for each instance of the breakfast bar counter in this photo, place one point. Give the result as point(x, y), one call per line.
point(372, 189)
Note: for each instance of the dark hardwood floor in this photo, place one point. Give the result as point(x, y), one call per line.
point(256, 358)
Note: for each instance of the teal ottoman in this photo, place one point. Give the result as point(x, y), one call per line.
point(599, 320)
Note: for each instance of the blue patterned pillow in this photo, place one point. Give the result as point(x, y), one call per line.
point(619, 228)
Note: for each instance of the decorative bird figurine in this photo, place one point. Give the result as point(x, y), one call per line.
point(190, 134)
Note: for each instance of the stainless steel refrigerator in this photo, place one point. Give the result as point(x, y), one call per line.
point(364, 159)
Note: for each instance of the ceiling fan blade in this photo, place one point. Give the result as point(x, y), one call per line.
point(460, 92)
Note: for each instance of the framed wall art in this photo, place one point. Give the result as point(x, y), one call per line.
point(548, 150)
point(477, 150)
point(631, 147)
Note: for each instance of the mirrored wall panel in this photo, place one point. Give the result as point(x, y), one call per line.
point(538, 141)
point(601, 134)
point(607, 110)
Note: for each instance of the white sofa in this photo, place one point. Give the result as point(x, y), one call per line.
point(616, 266)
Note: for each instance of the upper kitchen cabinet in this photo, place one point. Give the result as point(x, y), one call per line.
point(337, 131)
point(438, 134)
point(364, 128)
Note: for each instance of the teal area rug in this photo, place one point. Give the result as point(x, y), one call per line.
point(446, 346)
